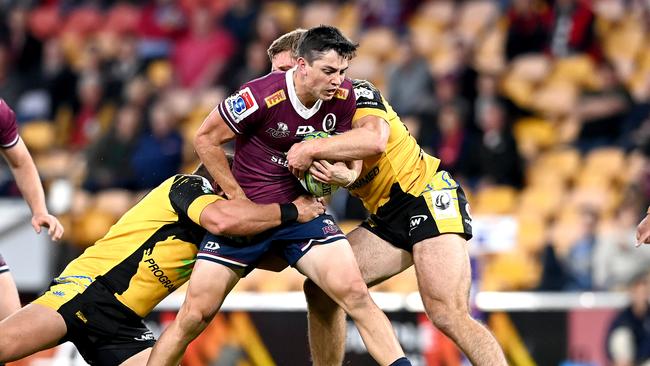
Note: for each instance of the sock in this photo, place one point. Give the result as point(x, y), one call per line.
point(402, 361)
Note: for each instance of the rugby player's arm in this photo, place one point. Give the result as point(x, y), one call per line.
point(243, 217)
point(368, 137)
point(208, 142)
point(29, 183)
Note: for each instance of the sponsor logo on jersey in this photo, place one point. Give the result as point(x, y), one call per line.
point(341, 94)
point(303, 130)
point(160, 274)
point(280, 161)
point(415, 221)
point(361, 92)
point(81, 316)
point(442, 205)
point(329, 122)
point(275, 98)
point(281, 131)
point(365, 179)
point(211, 245)
point(330, 227)
point(241, 104)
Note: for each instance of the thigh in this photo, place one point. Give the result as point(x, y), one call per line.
point(209, 284)
point(9, 300)
point(332, 267)
point(378, 260)
point(31, 329)
point(443, 269)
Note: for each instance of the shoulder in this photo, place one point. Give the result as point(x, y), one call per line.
point(192, 182)
point(367, 95)
point(7, 115)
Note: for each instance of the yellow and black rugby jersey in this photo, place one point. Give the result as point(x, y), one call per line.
point(151, 250)
point(403, 165)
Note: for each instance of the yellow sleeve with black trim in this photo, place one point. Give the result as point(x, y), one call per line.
point(369, 101)
point(190, 194)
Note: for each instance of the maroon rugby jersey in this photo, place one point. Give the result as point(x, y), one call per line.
point(268, 118)
point(8, 126)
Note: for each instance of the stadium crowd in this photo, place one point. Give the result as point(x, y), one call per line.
point(540, 108)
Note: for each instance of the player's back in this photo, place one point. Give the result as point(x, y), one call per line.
point(403, 167)
point(268, 118)
point(149, 252)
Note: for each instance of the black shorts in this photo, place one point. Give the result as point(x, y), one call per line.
point(3, 265)
point(406, 220)
point(105, 332)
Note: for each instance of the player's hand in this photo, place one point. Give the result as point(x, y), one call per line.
point(54, 227)
point(337, 174)
point(299, 158)
point(643, 231)
point(309, 207)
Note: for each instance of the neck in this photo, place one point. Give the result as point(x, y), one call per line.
point(304, 96)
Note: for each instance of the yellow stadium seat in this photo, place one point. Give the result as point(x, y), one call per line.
point(531, 233)
point(39, 136)
point(609, 161)
point(510, 271)
point(578, 70)
point(114, 201)
point(540, 201)
point(474, 16)
point(563, 161)
point(439, 13)
point(531, 67)
point(555, 99)
point(378, 42)
point(495, 200)
point(533, 134)
point(489, 51)
point(285, 13)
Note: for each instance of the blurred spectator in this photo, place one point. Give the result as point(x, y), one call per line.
point(158, 154)
point(108, 159)
point(628, 338)
point(25, 49)
point(602, 112)
point(125, 67)
point(494, 158)
point(162, 22)
point(10, 85)
point(451, 142)
point(410, 84)
point(57, 77)
point(92, 114)
point(256, 65)
point(528, 29)
point(616, 259)
point(199, 57)
point(573, 29)
point(240, 20)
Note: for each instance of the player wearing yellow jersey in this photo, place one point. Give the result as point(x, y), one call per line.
point(100, 298)
point(418, 216)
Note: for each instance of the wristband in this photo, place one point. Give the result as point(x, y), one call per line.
point(288, 213)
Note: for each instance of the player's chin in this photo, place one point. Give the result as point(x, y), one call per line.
point(327, 95)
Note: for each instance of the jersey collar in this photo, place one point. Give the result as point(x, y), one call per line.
point(304, 112)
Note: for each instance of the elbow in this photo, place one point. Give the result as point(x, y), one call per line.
point(379, 145)
point(201, 143)
point(226, 225)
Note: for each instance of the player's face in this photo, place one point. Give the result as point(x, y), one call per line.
point(325, 75)
point(282, 61)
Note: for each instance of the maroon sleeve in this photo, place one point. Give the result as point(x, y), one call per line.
point(241, 110)
point(8, 126)
point(349, 108)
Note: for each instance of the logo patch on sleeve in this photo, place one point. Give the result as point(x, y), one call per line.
point(275, 98)
point(241, 104)
point(341, 94)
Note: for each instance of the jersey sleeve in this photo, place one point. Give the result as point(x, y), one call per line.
point(369, 101)
point(241, 110)
point(348, 110)
point(190, 194)
point(8, 126)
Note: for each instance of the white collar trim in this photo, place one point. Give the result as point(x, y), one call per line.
point(302, 111)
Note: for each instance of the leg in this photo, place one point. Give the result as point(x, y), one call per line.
point(9, 301)
point(209, 284)
point(29, 330)
point(139, 359)
point(377, 261)
point(333, 268)
point(444, 277)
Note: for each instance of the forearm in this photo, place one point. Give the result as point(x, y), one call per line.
point(246, 218)
point(30, 186)
point(356, 144)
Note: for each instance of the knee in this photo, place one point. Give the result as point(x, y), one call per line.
point(354, 295)
point(194, 317)
point(445, 317)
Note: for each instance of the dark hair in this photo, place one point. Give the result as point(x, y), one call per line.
point(319, 40)
point(286, 42)
point(203, 171)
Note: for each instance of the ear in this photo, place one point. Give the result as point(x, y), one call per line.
point(302, 64)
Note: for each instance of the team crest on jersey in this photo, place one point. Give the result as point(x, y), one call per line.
point(362, 92)
point(275, 98)
point(280, 132)
point(341, 94)
point(241, 104)
point(329, 122)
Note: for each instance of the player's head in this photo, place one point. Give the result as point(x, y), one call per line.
point(322, 59)
point(284, 50)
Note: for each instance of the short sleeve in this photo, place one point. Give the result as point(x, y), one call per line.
point(8, 126)
point(349, 107)
point(190, 194)
point(369, 101)
point(240, 110)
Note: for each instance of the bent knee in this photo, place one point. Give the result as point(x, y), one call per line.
point(446, 317)
point(354, 295)
point(195, 317)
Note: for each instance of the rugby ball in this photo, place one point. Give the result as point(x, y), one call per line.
point(311, 185)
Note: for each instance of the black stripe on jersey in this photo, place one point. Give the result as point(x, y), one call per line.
point(186, 189)
point(119, 277)
point(368, 96)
